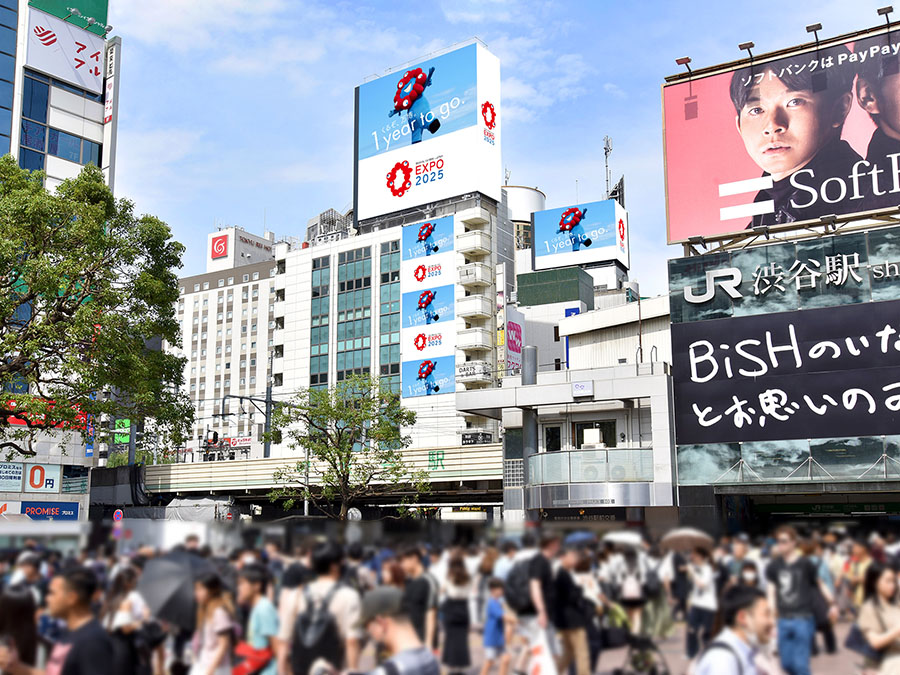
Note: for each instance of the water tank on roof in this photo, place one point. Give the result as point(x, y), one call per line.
point(523, 201)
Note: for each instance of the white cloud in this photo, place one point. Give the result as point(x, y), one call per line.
point(186, 25)
point(479, 11)
point(614, 90)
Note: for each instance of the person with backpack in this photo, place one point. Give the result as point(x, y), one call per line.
point(420, 595)
point(749, 626)
point(531, 594)
point(385, 619)
point(319, 619)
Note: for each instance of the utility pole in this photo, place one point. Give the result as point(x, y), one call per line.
point(268, 427)
point(607, 150)
point(529, 419)
point(132, 440)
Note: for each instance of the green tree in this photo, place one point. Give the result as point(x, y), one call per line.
point(86, 288)
point(351, 439)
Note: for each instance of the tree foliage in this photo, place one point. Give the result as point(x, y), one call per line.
point(86, 287)
point(352, 435)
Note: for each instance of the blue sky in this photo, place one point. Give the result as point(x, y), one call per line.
point(240, 112)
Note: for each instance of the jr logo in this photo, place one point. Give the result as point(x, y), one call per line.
point(729, 279)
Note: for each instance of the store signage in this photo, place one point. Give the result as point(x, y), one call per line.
point(239, 442)
point(580, 389)
point(219, 246)
point(11, 476)
point(477, 438)
point(50, 510)
point(69, 53)
point(42, 478)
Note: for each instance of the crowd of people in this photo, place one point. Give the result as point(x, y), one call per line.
point(534, 603)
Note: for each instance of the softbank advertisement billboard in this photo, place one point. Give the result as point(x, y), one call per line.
point(428, 132)
point(784, 141)
point(579, 234)
point(428, 308)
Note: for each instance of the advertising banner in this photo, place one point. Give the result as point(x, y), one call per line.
point(427, 306)
point(42, 477)
point(790, 375)
point(428, 132)
point(50, 510)
point(513, 346)
point(11, 476)
point(584, 233)
point(784, 141)
point(427, 377)
point(60, 49)
point(10, 508)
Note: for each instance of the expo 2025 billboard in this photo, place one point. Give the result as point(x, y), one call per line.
point(428, 132)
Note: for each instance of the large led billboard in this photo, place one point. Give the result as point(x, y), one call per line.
point(428, 308)
point(428, 132)
point(783, 141)
point(580, 234)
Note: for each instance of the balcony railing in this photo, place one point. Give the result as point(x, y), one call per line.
point(613, 465)
point(475, 275)
point(474, 339)
point(475, 305)
point(476, 241)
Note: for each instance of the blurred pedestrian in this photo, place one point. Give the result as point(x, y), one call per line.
point(497, 624)
point(85, 649)
point(749, 624)
point(123, 616)
point(262, 644)
point(320, 621)
point(879, 617)
point(383, 616)
point(702, 602)
point(213, 638)
point(18, 626)
point(571, 617)
point(455, 616)
point(793, 580)
point(420, 595)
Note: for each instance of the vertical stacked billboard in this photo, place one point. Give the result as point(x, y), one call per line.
point(428, 308)
point(428, 132)
point(784, 141)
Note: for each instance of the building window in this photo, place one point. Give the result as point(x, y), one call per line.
point(205, 288)
point(230, 280)
point(246, 277)
point(389, 316)
point(221, 283)
point(196, 288)
point(255, 276)
point(552, 439)
point(319, 332)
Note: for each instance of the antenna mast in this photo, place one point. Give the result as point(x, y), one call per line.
point(607, 149)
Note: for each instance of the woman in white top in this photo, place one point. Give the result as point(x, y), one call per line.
point(211, 644)
point(121, 617)
point(702, 602)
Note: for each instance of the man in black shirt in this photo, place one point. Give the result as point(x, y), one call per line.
point(542, 589)
point(571, 616)
point(793, 580)
point(420, 595)
point(85, 649)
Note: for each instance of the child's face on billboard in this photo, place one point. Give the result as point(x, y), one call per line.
point(883, 103)
point(783, 129)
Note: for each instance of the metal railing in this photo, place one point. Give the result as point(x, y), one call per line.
point(612, 465)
